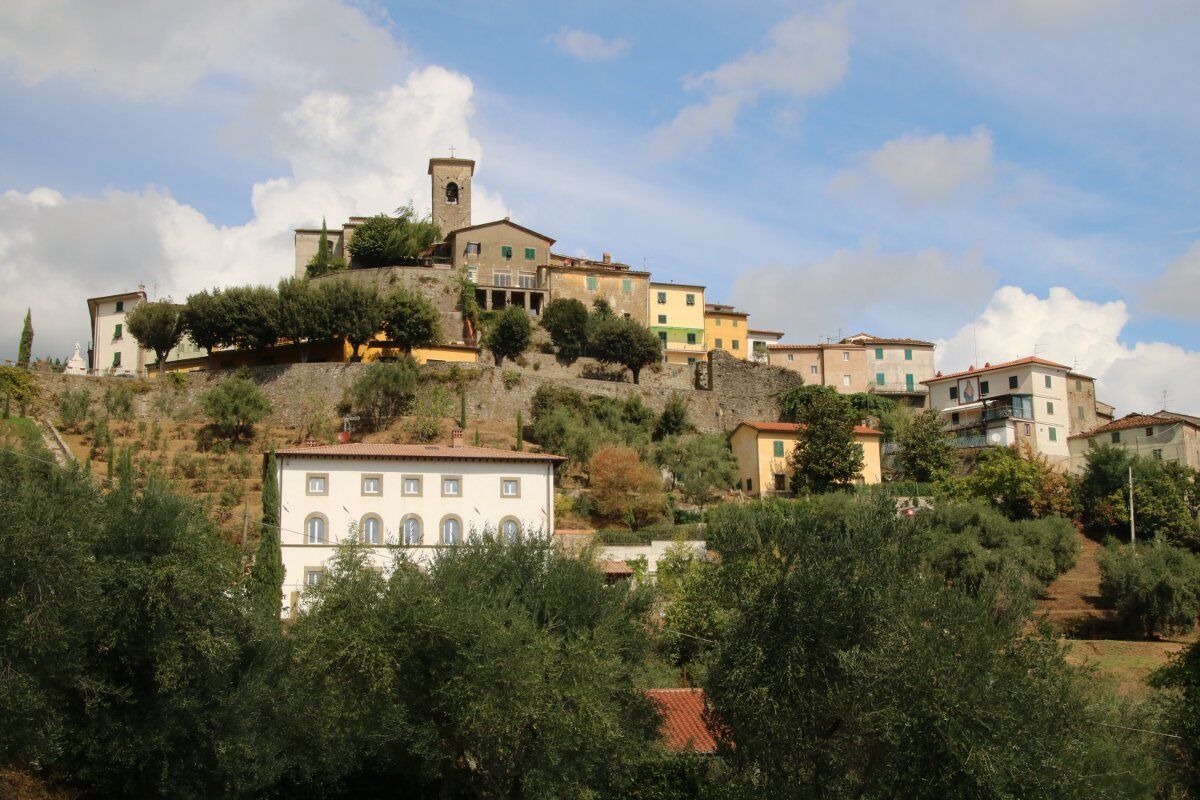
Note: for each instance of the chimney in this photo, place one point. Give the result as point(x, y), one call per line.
point(607, 257)
point(456, 437)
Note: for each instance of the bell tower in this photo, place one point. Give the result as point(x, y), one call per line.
point(450, 179)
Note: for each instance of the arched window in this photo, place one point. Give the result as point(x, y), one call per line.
point(372, 530)
point(510, 529)
point(411, 527)
point(314, 529)
point(451, 530)
point(451, 193)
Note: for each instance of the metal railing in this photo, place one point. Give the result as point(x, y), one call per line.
point(897, 388)
point(967, 441)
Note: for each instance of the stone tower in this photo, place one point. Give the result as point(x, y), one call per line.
point(451, 182)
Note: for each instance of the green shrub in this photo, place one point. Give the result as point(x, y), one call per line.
point(384, 391)
point(234, 406)
point(430, 408)
point(511, 378)
point(118, 401)
point(1154, 587)
point(73, 407)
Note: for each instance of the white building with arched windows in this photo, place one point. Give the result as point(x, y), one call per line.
point(419, 497)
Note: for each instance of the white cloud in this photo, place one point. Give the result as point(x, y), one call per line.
point(1177, 290)
point(348, 155)
point(922, 169)
point(587, 46)
point(888, 293)
point(146, 49)
point(1081, 334)
point(801, 57)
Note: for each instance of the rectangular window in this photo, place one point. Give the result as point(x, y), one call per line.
point(452, 486)
point(791, 357)
point(505, 251)
point(1049, 407)
point(908, 354)
point(718, 344)
point(845, 355)
point(502, 279)
point(1048, 383)
point(1013, 382)
point(530, 254)
point(1116, 437)
point(372, 485)
point(910, 381)
point(954, 418)
point(411, 485)
point(749, 484)
point(1158, 455)
point(527, 280)
point(983, 388)
point(317, 483)
point(780, 482)
point(593, 283)
point(1078, 385)
point(662, 335)
point(474, 248)
point(953, 392)
point(313, 575)
point(845, 380)
point(778, 449)
point(691, 338)
point(691, 360)
point(1054, 434)
point(662, 298)
point(879, 354)
point(627, 285)
point(117, 359)
point(117, 331)
point(812, 369)
point(691, 299)
point(717, 322)
point(1150, 431)
point(735, 323)
point(471, 273)
point(1080, 411)
point(120, 306)
point(879, 379)
point(662, 319)
point(510, 487)
point(734, 343)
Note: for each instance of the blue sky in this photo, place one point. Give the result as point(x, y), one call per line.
point(1002, 176)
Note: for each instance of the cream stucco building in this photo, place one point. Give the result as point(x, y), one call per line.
point(1023, 401)
point(677, 318)
point(1164, 436)
point(113, 350)
point(625, 290)
point(840, 365)
point(759, 341)
point(762, 450)
point(419, 497)
point(897, 368)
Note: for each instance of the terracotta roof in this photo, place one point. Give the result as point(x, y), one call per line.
point(769, 333)
point(721, 308)
point(1134, 420)
point(413, 452)
point(505, 221)
point(616, 568)
point(1020, 362)
point(1164, 414)
point(793, 427)
point(682, 712)
point(793, 347)
point(867, 338)
point(818, 346)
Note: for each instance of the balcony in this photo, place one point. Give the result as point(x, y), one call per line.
point(898, 388)
point(967, 441)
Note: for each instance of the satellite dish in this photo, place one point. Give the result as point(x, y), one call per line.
point(996, 437)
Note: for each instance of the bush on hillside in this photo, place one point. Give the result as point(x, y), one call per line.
point(1155, 587)
point(73, 407)
point(1017, 480)
point(624, 489)
point(233, 407)
point(383, 391)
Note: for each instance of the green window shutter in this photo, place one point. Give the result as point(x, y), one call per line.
point(627, 285)
point(117, 331)
point(662, 335)
point(718, 344)
point(662, 298)
point(879, 379)
point(1048, 382)
point(778, 449)
point(593, 284)
point(879, 354)
point(662, 319)
point(908, 354)
point(691, 299)
point(530, 254)
point(1054, 434)
point(1049, 407)
point(120, 306)
point(909, 382)
point(691, 338)
point(506, 251)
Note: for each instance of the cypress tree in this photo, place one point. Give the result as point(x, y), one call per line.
point(25, 350)
point(462, 409)
point(520, 431)
point(267, 576)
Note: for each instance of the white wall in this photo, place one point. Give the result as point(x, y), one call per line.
point(480, 507)
point(651, 552)
point(105, 345)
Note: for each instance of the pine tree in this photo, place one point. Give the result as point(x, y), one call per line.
point(267, 576)
point(26, 347)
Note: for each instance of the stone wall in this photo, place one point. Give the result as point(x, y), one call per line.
point(740, 390)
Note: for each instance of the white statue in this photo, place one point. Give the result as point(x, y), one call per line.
point(75, 365)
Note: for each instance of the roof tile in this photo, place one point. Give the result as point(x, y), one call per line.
point(413, 451)
point(682, 712)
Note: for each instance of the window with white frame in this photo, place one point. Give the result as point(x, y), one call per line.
point(411, 485)
point(313, 575)
point(812, 369)
point(372, 530)
point(509, 529)
point(314, 529)
point(845, 355)
point(451, 486)
point(317, 484)
point(451, 531)
point(411, 528)
point(791, 357)
point(372, 485)
point(510, 487)
point(845, 380)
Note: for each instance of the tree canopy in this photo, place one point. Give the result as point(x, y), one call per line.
point(623, 341)
point(324, 261)
point(566, 320)
point(383, 240)
point(508, 334)
point(234, 405)
point(156, 326)
point(826, 455)
point(410, 320)
point(303, 317)
point(924, 452)
point(355, 312)
point(25, 346)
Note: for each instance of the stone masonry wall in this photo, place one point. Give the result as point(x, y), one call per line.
point(741, 390)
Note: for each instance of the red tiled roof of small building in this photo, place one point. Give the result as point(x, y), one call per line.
point(1020, 362)
point(616, 568)
point(793, 427)
point(682, 712)
point(1134, 420)
point(866, 338)
point(413, 452)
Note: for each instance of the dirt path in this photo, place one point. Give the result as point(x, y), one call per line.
point(1072, 600)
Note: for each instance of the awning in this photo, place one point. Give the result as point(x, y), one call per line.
point(963, 407)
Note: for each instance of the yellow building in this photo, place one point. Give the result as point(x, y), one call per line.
point(726, 328)
point(677, 318)
point(625, 290)
point(762, 450)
